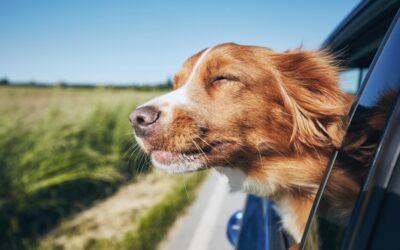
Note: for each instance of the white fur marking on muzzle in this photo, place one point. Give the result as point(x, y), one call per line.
point(179, 96)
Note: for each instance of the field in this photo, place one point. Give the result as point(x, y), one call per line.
point(62, 152)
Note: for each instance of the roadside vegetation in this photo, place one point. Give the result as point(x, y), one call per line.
point(141, 223)
point(62, 149)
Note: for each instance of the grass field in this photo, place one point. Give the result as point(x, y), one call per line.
point(61, 149)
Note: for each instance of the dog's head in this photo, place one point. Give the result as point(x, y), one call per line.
point(235, 105)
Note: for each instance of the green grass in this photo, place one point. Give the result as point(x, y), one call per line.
point(60, 150)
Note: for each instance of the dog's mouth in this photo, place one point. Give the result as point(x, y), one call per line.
point(206, 156)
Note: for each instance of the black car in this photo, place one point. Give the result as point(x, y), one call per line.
point(368, 44)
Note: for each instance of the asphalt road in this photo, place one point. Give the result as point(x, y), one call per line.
point(204, 225)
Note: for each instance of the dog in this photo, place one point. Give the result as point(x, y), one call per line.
point(268, 120)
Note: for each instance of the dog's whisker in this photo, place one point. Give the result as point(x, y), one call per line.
point(259, 154)
point(132, 148)
point(135, 149)
point(137, 164)
point(142, 156)
point(144, 163)
point(202, 153)
point(226, 160)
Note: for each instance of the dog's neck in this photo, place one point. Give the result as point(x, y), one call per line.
point(285, 181)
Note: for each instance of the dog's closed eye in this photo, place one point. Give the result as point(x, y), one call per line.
point(224, 79)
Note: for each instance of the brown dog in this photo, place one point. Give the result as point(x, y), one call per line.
point(268, 120)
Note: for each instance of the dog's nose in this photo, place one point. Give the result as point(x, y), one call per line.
point(143, 117)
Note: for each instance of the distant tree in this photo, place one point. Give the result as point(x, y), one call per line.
point(61, 84)
point(169, 83)
point(4, 81)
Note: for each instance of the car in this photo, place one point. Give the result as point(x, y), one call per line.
point(368, 45)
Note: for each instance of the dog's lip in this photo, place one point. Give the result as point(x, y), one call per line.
point(169, 157)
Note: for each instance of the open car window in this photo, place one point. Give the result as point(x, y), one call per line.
point(328, 221)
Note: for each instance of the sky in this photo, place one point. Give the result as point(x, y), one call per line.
point(134, 41)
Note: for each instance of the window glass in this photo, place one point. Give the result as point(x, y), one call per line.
point(350, 79)
point(351, 163)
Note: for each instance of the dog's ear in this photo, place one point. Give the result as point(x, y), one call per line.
point(308, 84)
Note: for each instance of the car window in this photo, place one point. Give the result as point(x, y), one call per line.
point(351, 79)
point(329, 219)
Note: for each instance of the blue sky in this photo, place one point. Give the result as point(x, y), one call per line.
point(124, 41)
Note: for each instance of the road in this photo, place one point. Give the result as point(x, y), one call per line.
point(204, 225)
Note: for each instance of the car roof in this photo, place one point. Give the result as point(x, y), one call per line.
point(357, 37)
